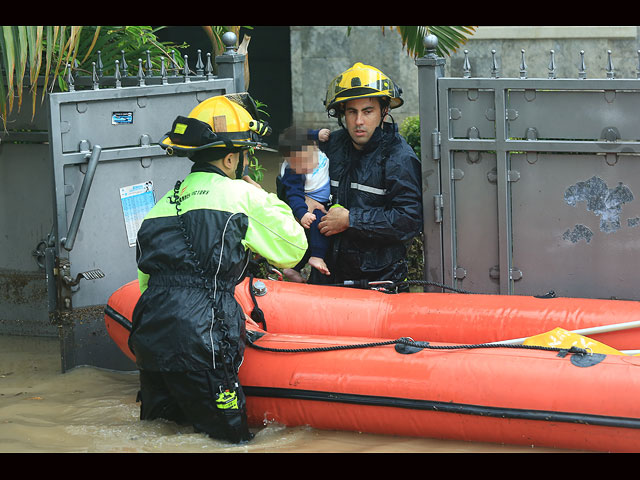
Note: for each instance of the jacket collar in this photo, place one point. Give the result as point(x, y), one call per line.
point(206, 167)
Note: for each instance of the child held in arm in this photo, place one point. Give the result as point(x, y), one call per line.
point(303, 184)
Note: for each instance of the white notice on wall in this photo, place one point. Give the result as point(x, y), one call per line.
point(137, 200)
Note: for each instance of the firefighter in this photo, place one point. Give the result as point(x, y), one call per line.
point(376, 186)
point(193, 248)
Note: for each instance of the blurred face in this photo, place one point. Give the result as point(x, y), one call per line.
point(304, 161)
point(362, 116)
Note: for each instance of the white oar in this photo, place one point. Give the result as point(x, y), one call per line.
point(614, 327)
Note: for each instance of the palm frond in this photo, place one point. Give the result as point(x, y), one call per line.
point(9, 64)
point(449, 38)
point(46, 51)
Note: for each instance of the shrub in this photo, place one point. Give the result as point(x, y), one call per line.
point(410, 130)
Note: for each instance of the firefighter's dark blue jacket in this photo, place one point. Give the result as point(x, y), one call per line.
point(381, 187)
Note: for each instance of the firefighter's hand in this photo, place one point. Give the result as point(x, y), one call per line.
point(248, 179)
point(335, 221)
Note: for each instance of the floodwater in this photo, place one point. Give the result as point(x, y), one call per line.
point(90, 410)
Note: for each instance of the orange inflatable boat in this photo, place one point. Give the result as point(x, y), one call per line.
point(421, 364)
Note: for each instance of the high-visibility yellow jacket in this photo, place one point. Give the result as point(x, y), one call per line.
point(189, 265)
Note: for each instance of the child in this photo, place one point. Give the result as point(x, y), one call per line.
point(304, 184)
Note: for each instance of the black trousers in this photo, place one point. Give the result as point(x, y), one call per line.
point(189, 398)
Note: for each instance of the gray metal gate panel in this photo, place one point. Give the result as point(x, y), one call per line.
point(121, 128)
point(129, 155)
point(561, 245)
point(540, 196)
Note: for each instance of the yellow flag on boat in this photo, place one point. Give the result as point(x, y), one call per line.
point(561, 338)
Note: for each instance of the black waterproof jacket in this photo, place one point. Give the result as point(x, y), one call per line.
point(381, 187)
point(187, 318)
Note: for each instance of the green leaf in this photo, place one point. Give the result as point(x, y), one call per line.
point(449, 38)
point(8, 47)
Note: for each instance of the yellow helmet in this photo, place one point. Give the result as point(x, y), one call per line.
point(361, 81)
point(223, 121)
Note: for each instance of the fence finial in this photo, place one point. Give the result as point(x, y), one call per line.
point(582, 71)
point(149, 64)
point(610, 70)
point(523, 66)
point(466, 66)
point(141, 81)
point(209, 67)
point(552, 64)
point(125, 66)
point(174, 63)
point(494, 65)
point(117, 75)
point(94, 77)
point(163, 72)
point(199, 64)
point(100, 65)
point(70, 81)
point(185, 70)
point(430, 43)
point(229, 39)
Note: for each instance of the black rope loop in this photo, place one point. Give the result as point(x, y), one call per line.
point(389, 286)
point(435, 284)
point(412, 343)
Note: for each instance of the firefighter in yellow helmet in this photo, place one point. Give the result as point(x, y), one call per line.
point(227, 122)
point(376, 185)
point(192, 250)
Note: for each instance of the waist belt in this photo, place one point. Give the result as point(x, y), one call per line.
point(190, 281)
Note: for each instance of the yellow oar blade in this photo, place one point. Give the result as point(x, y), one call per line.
point(561, 338)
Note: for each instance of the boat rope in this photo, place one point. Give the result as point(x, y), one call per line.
point(549, 294)
point(404, 344)
point(434, 284)
point(389, 286)
point(252, 336)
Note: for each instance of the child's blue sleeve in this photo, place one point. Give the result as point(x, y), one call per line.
point(293, 184)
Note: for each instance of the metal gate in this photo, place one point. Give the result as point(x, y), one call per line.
point(108, 170)
point(530, 184)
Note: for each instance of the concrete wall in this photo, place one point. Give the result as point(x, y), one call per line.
point(537, 41)
point(319, 53)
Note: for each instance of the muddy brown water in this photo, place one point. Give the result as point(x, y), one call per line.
point(90, 410)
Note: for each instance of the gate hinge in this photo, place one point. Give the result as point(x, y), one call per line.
point(435, 144)
point(438, 205)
